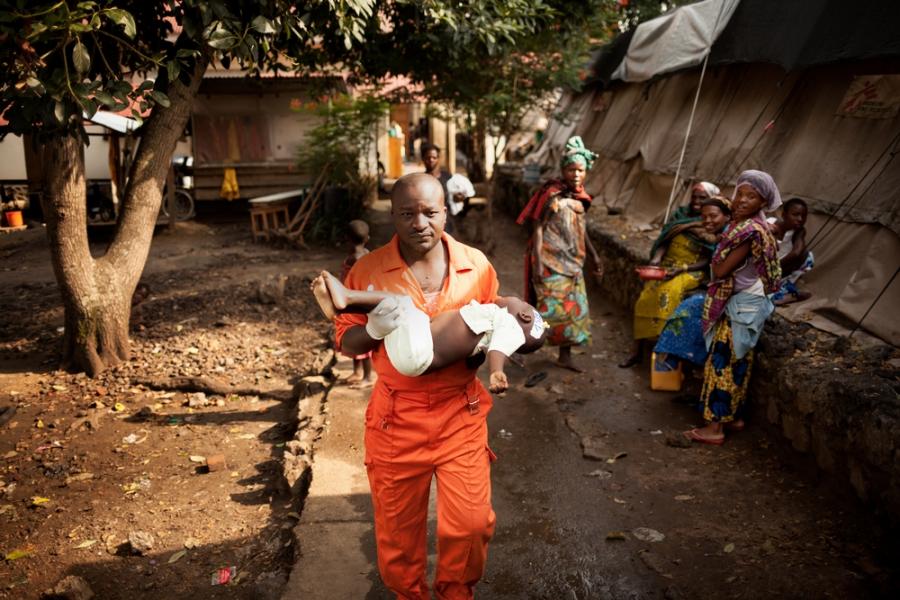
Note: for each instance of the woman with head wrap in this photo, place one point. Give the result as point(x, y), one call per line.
point(554, 278)
point(683, 248)
point(682, 336)
point(745, 271)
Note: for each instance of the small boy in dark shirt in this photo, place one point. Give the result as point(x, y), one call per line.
point(359, 237)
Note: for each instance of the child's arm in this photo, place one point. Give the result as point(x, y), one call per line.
point(536, 249)
point(701, 265)
point(793, 260)
point(498, 382)
point(777, 228)
point(732, 262)
point(658, 255)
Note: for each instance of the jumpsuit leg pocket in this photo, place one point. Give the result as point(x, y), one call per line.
point(379, 431)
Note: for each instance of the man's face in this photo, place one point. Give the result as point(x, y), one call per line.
point(419, 215)
point(430, 159)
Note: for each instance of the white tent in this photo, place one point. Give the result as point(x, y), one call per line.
point(824, 120)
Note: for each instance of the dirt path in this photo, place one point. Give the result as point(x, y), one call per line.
point(745, 520)
point(84, 464)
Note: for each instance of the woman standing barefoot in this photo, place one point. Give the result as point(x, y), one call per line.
point(554, 264)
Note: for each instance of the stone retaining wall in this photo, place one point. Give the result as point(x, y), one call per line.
point(830, 397)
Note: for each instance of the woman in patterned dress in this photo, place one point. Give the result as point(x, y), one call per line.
point(554, 263)
point(683, 248)
point(745, 272)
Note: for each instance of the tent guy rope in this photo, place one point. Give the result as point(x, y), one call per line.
point(687, 133)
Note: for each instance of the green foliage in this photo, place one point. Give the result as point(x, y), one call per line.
point(338, 146)
point(59, 60)
point(493, 59)
point(503, 59)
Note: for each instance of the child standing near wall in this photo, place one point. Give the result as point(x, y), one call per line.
point(358, 231)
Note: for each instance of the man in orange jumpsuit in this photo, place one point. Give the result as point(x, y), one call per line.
point(429, 426)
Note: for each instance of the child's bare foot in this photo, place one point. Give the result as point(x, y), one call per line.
point(320, 290)
point(569, 364)
point(736, 425)
point(792, 298)
point(363, 384)
point(336, 290)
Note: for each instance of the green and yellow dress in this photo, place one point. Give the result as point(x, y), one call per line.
point(687, 244)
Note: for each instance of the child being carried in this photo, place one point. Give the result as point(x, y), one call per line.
point(418, 344)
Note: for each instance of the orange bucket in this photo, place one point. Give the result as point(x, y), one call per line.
point(14, 218)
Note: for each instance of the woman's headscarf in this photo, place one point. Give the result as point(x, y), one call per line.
point(683, 218)
point(575, 152)
point(763, 184)
point(723, 203)
point(710, 189)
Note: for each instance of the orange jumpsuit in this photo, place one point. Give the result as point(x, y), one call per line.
point(429, 426)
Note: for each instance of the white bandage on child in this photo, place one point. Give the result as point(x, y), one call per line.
point(409, 345)
point(502, 330)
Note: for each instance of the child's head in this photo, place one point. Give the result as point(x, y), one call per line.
point(359, 231)
point(529, 319)
point(794, 213)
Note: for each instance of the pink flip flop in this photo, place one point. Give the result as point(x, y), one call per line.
point(694, 436)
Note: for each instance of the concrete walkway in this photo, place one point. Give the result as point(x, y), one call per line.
point(336, 545)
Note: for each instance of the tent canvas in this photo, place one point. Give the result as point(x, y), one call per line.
point(754, 114)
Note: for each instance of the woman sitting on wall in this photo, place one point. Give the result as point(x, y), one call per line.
point(683, 248)
point(682, 337)
point(745, 271)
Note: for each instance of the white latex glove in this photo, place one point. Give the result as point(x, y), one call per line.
point(384, 318)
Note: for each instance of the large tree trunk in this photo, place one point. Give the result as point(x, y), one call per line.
point(96, 293)
point(96, 311)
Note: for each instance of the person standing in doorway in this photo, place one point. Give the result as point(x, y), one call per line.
point(431, 426)
point(554, 262)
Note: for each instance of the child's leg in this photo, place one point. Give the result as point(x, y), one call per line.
point(367, 369)
point(410, 346)
point(333, 297)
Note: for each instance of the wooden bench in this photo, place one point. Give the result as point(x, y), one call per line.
point(270, 212)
